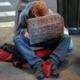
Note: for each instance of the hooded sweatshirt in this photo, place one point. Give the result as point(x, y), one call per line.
point(24, 16)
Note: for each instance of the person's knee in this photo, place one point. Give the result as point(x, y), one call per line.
point(16, 38)
point(69, 40)
point(67, 37)
point(20, 39)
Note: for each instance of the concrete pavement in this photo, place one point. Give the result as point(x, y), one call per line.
point(8, 12)
point(70, 70)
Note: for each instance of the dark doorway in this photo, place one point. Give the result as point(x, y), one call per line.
point(70, 10)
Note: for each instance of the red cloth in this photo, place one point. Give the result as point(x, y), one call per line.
point(43, 53)
point(16, 62)
point(5, 56)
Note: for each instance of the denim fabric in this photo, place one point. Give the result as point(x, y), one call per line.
point(59, 53)
point(24, 48)
point(60, 46)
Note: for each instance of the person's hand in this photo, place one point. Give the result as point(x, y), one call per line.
point(26, 34)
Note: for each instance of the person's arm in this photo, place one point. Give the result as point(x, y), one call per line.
point(24, 16)
point(22, 24)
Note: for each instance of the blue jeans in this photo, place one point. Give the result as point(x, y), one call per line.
point(60, 46)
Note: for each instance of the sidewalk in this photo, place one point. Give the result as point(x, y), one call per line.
point(6, 35)
point(69, 71)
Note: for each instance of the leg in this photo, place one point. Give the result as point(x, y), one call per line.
point(59, 53)
point(60, 46)
point(23, 46)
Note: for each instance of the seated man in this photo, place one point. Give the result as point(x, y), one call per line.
point(22, 40)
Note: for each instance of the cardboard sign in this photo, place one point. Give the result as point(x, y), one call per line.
point(45, 28)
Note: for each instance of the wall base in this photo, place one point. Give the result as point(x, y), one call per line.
point(74, 31)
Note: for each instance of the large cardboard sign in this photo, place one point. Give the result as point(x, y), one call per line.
point(45, 28)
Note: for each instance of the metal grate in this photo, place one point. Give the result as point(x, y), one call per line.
point(70, 10)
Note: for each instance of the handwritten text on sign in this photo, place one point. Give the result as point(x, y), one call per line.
point(45, 28)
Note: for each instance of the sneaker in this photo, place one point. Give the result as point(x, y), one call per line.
point(55, 71)
point(39, 73)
